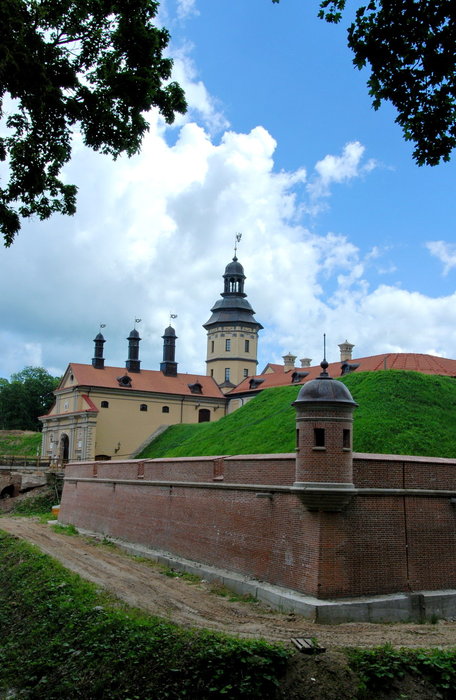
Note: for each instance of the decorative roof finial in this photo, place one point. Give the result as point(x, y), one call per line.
point(324, 364)
point(102, 325)
point(137, 320)
point(238, 238)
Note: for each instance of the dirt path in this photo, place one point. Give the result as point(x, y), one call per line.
point(193, 604)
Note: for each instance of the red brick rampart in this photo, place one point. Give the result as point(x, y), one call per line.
point(243, 513)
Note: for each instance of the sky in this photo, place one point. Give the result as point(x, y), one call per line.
point(342, 233)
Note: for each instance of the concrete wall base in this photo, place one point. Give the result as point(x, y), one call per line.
point(422, 606)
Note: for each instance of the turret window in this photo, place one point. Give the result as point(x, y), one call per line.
point(246, 373)
point(227, 374)
point(319, 437)
point(228, 344)
point(346, 439)
point(212, 346)
point(246, 345)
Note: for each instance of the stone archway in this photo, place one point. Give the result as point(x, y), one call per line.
point(64, 448)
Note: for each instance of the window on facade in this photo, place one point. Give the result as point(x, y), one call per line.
point(228, 344)
point(212, 346)
point(346, 439)
point(246, 373)
point(105, 404)
point(165, 409)
point(212, 372)
point(227, 374)
point(319, 437)
point(246, 345)
point(143, 407)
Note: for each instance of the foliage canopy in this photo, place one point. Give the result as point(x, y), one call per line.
point(28, 395)
point(92, 65)
point(410, 46)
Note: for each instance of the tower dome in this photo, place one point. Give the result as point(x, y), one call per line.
point(232, 332)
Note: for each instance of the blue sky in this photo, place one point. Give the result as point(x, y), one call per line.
point(342, 232)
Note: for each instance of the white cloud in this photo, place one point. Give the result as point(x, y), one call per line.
point(445, 252)
point(336, 170)
point(186, 8)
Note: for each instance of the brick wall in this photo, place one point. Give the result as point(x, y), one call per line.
point(242, 513)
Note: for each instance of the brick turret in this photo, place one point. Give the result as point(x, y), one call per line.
point(324, 459)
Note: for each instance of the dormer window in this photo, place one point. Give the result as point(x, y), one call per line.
point(196, 388)
point(347, 367)
point(255, 383)
point(297, 377)
point(124, 381)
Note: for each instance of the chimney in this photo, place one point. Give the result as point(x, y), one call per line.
point(305, 361)
point(133, 362)
point(346, 351)
point(98, 359)
point(169, 365)
point(289, 362)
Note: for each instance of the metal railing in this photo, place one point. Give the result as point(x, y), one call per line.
point(26, 461)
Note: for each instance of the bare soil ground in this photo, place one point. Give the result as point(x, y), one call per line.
point(144, 585)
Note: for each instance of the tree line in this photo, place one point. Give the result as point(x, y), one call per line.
point(26, 396)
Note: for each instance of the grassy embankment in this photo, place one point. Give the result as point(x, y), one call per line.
point(61, 637)
point(399, 413)
point(20, 442)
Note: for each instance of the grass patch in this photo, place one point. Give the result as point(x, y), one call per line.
point(62, 638)
point(35, 506)
point(65, 529)
point(399, 412)
point(20, 442)
point(380, 668)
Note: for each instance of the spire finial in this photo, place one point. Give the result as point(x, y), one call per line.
point(324, 364)
point(137, 320)
point(237, 239)
point(172, 317)
point(102, 325)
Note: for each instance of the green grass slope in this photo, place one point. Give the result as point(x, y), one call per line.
point(399, 413)
point(20, 442)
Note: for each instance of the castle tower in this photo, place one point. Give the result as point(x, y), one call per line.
point(232, 332)
point(98, 359)
point(169, 364)
point(324, 458)
point(133, 362)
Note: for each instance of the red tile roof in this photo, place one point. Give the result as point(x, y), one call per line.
point(427, 364)
point(145, 380)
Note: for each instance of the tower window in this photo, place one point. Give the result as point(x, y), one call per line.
point(104, 404)
point(319, 437)
point(212, 372)
point(227, 374)
point(228, 344)
point(246, 373)
point(246, 345)
point(212, 346)
point(346, 439)
point(143, 407)
point(165, 409)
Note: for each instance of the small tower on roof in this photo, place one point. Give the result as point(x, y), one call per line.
point(232, 331)
point(98, 359)
point(133, 363)
point(169, 364)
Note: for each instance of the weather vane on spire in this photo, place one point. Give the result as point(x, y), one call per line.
point(137, 320)
point(238, 238)
point(172, 316)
